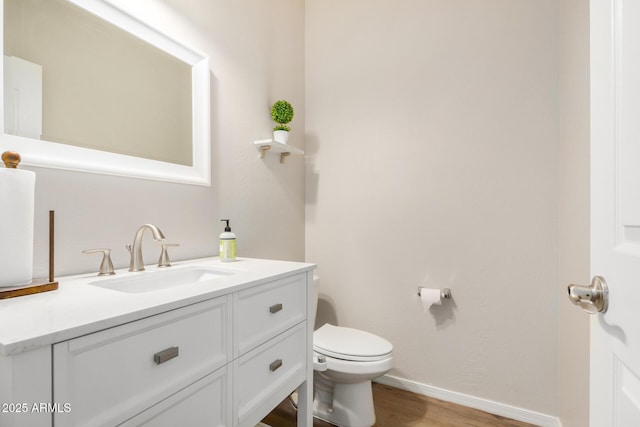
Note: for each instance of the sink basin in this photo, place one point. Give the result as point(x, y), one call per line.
point(162, 279)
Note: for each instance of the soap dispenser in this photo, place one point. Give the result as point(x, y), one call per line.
point(227, 244)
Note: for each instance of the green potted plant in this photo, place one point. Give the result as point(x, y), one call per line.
point(281, 113)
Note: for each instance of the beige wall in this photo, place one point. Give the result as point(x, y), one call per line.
point(573, 362)
point(432, 140)
point(256, 51)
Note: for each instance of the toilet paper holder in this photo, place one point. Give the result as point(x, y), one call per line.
point(445, 293)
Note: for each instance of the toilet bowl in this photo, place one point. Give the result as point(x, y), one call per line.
point(345, 360)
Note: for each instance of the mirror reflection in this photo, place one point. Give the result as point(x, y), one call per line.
point(72, 78)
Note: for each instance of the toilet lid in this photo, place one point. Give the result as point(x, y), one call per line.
point(350, 344)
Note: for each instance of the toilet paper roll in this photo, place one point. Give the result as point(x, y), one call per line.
point(430, 297)
point(17, 191)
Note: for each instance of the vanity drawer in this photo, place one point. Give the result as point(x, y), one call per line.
point(267, 310)
point(266, 375)
point(203, 403)
point(139, 363)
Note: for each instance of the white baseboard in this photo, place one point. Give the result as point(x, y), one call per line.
point(515, 413)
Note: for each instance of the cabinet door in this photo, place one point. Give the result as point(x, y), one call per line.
point(204, 403)
point(109, 376)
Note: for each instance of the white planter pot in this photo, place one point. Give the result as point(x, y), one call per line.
point(281, 136)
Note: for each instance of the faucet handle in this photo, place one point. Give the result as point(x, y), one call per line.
point(106, 266)
point(164, 260)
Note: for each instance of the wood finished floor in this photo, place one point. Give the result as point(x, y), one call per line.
point(399, 408)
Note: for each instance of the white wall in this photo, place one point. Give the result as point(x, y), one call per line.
point(256, 51)
point(573, 362)
point(432, 140)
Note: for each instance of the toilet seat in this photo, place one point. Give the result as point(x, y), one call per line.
point(350, 344)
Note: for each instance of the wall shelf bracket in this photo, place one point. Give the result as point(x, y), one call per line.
point(285, 150)
point(264, 149)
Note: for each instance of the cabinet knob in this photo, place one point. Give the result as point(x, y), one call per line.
point(165, 355)
point(275, 365)
point(275, 308)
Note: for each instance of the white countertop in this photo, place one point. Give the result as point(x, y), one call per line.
point(78, 308)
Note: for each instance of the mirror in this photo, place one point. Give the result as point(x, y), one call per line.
point(89, 87)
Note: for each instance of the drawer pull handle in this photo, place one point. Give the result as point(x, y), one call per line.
point(275, 308)
point(275, 365)
point(165, 355)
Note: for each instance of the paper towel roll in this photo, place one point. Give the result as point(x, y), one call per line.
point(430, 297)
point(17, 191)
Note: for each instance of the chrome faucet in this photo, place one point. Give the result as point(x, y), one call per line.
point(136, 263)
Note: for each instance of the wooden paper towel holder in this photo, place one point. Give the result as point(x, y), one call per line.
point(37, 285)
point(11, 159)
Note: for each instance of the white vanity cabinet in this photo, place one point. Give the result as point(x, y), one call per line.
point(226, 358)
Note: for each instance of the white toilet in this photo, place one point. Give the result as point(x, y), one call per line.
point(345, 361)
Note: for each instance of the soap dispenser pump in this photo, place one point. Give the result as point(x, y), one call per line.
point(227, 244)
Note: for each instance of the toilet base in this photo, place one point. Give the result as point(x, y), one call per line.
point(345, 405)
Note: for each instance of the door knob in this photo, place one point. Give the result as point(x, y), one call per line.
point(592, 299)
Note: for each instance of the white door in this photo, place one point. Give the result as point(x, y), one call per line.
point(615, 211)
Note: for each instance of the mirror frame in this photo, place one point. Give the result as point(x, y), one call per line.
point(35, 152)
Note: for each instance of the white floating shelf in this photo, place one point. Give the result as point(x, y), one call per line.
point(285, 150)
